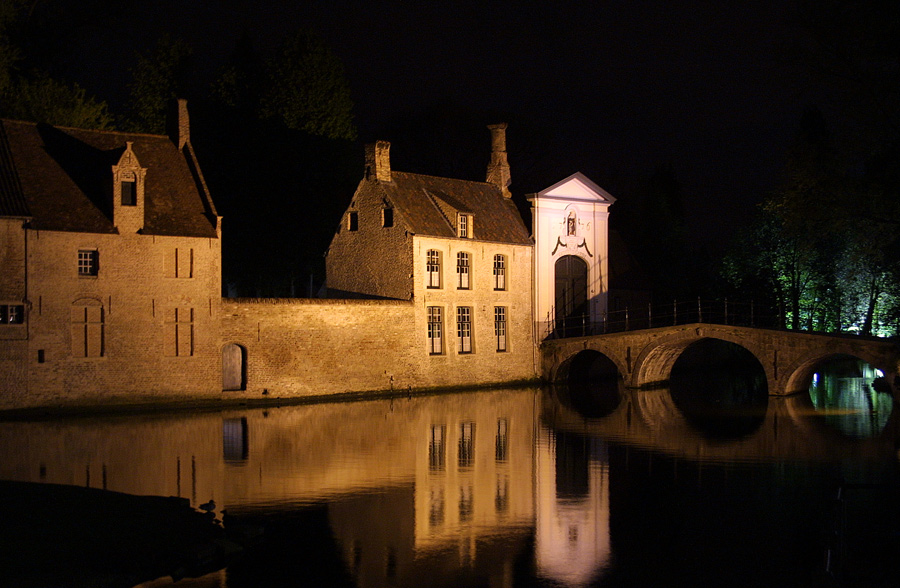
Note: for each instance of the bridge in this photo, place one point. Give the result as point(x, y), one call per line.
point(644, 358)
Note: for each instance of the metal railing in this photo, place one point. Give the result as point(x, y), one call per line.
point(720, 312)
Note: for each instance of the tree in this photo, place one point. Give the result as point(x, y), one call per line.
point(159, 76)
point(34, 95)
point(307, 89)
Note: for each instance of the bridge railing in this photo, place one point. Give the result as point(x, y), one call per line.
point(721, 312)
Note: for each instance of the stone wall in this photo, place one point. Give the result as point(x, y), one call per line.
point(132, 354)
point(315, 347)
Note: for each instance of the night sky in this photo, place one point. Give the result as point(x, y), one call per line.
point(612, 89)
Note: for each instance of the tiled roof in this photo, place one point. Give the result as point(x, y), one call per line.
point(428, 205)
point(12, 201)
point(65, 180)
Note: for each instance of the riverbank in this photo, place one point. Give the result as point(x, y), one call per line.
point(174, 404)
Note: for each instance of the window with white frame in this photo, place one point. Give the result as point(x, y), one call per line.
point(88, 262)
point(500, 327)
point(435, 331)
point(433, 269)
point(463, 267)
point(464, 226)
point(499, 272)
point(464, 329)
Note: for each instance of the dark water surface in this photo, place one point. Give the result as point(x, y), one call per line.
point(517, 487)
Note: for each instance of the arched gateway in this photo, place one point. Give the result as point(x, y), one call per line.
point(571, 267)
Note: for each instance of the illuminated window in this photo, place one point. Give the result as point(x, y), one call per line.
point(353, 221)
point(462, 270)
point(12, 314)
point(88, 262)
point(464, 226)
point(433, 269)
point(499, 272)
point(179, 336)
point(435, 328)
point(464, 328)
point(500, 327)
point(387, 217)
point(88, 329)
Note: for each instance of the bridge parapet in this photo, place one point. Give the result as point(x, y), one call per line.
point(646, 357)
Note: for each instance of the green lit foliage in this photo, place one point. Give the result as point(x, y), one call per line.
point(813, 253)
point(159, 76)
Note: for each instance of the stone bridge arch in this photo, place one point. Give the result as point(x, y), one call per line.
point(788, 358)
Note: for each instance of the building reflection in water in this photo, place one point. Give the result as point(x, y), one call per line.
point(430, 490)
point(572, 497)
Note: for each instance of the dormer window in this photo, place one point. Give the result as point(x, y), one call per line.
point(129, 191)
point(464, 226)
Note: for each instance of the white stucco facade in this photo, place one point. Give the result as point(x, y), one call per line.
point(570, 218)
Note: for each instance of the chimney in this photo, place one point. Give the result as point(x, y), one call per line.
point(498, 168)
point(378, 161)
point(177, 123)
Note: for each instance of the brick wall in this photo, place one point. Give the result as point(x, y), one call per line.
point(131, 303)
point(373, 259)
point(300, 347)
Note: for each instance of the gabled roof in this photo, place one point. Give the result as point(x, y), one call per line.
point(63, 177)
point(429, 205)
point(576, 187)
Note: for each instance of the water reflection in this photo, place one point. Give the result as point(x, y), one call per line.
point(845, 391)
point(720, 388)
point(499, 488)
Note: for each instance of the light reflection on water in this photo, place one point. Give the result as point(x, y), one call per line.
point(500, 488)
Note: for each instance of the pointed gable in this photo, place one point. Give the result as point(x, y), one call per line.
point(577, 187)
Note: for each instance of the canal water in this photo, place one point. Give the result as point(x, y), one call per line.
point(705, 483)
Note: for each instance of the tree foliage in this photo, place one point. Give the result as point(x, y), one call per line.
point(302, 86)
point(36, 96)
point(159, 76)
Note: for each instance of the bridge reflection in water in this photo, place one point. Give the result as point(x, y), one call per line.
point(500, 488)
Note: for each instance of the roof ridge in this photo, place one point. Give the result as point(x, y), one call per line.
point(101, 131)
point(442, 178)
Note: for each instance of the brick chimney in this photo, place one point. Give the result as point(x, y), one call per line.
point(378, 161)
point(498, 168)
point(177, 123)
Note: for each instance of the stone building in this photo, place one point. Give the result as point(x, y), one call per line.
point(111, 282)
point(459, 250)
point(111, 265)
